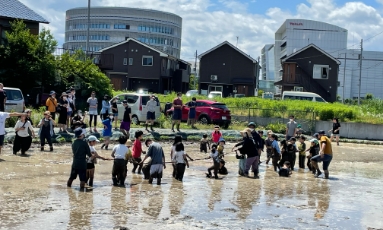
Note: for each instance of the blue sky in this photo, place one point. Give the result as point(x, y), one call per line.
point(206, 23)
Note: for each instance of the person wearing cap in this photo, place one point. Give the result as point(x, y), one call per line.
point(119, 166)
point(93, 104)
point(81, 151)
point(63, 112)
point(107, 131)
point(105, 107)
point(291, 128)
point(268, 143)
point(51, 104)
point(251, 150)
point(91, 161)
point(126, 119)
point(22, 139)
point(3, 97)
point(151, 106)
point(325, 155)
point(46, 125)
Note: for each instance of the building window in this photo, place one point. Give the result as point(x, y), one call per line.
point(122, 26)
point(215, 88)
point(125, 62)
point(130, 61)
point(147, 60)
point(321, 71)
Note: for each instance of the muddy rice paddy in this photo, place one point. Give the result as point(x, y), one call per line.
point(33, 195)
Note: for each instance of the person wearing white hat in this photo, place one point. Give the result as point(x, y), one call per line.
point(91, 161)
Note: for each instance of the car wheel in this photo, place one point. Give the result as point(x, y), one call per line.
point(204, 120)
point(135, 120)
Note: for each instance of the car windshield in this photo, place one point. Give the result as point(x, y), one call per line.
point(14, 95)
point(220, 106)
point(319, 99)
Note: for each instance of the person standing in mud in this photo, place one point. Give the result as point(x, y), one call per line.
point(268, 142)
point(3, 118)
point(80, 151)
point(275, 151)
point(216, 162)
point(155, 152)
point(119, 167)
point(137, 151)
point(251, 150)
point(325, 155)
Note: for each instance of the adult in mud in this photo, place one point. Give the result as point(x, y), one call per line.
point(325, 155)
point(22, 139)
point(80, 151)
point(3, 118)
point(155, 152)
point(251, 151)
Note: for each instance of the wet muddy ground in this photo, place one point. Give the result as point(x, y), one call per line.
point(33, 195)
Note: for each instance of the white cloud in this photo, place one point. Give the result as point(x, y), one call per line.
point(204, 28)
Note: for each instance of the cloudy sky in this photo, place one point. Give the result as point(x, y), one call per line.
point(207, 23)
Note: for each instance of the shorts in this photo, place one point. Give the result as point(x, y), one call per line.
point(177, 114)
point(90, 166)
point(80, 172)
point(150, 115)
point(69, 113)
point(335, 135)
point(125, 125)
point(115, 115)
point(326, 160)
point(2, 140)
point(106, 138)
point(93, 112)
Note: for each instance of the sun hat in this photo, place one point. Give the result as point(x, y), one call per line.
point(63, 94)
point(321, 132)
point(129, 143)
point(251, 124)
point(248, 131)
point(93, 138)
point(221, 140)
point(52, 92)
point(269, 132)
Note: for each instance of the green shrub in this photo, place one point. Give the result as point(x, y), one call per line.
point(277, 127)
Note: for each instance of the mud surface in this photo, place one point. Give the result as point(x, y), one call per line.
point(33, 195)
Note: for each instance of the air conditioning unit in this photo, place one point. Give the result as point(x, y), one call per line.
point(298, 89)
point(214, 78)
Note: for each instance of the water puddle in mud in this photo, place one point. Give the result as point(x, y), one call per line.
point(33, 194)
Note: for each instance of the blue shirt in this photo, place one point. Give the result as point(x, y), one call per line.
point(156, 152)
point(108, 124)
point(276, 146)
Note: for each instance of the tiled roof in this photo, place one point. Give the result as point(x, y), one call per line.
point(16, 9)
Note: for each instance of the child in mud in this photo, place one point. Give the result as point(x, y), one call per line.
point(177, 139)
point(146, 168)
point(302, 152)
point(261, 145)
point(216, 135)
point(91, 161)
point(268, 143)
point(285, 170)
point(107, 131)
point(293, 156)
point(119, 152)
point(216, 162)
point(204, 143)
point(275, 151)
point(137, 151)
point(241, 156)
point(221, 155)
point(179, 159)
point(288, 155)
point(128, 156)
point(313, 151)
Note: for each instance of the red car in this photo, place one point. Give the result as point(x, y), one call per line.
point(207, 112)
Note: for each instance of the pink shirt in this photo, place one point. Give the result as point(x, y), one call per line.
point(137, 149)
point(215, 136)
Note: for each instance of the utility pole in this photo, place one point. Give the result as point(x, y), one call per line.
point(257, 80)
point(344, 75)
point(195, 70)
point(360, 70)
point(87, 31)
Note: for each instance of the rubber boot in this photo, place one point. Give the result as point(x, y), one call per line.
point(42, 148)
point(102, 146)
point(106, 147)
point(90, 182)
point(69, 183)
point(150, 180)
point(51, 148)
point(158, 181)
point(122, 182)
point(115, 181)
point(256, 175)
point(326, 174)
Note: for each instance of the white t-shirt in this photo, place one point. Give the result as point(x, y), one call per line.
point(92, 150)
point(23, 133)
point(3, 117)
point(120, 151)
point(179, 157)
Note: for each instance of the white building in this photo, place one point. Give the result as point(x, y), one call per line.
point(294, 34)
point(267, 60)
point(111, 25)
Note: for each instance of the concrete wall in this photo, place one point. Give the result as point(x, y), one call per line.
point(354, 130)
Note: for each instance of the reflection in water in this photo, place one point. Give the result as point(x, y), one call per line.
point(155, 198)
point(216, 190)
point(319, 197)
point(246, 196)
point(118, 205)
point(81, 207)
point(176, 198)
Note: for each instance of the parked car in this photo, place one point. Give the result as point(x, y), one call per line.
point(137, 103)
point(15, 100)
point(305, 96)
point(208, 112)
point(214, 94)
point(191, 93)
point(239, 95)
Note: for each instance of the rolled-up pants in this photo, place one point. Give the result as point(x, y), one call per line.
point(252, 162)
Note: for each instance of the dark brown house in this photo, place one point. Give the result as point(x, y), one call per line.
point(10, 10)
point(133, 65)
point(310, 70)
point(227, 69)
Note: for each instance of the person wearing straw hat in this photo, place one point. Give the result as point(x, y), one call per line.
point(63, 111)
point(91, 161)
point(250, 149)
point(80, 151)
point(51, 104)
point(46, 130)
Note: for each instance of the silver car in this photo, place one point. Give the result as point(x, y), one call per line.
point(15, 100)
point(137, 103)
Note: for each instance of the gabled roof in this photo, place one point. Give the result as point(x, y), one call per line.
point(232, 46)
point(162, 54)
point(307, 47)
point(16, 9)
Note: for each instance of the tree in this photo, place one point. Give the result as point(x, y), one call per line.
point(193, 82)
point(79, 70)
point(26, 61)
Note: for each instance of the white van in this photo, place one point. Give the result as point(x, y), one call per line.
point(214, 94)
point(15, 100)
point(305, 96)
point(137, 103)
